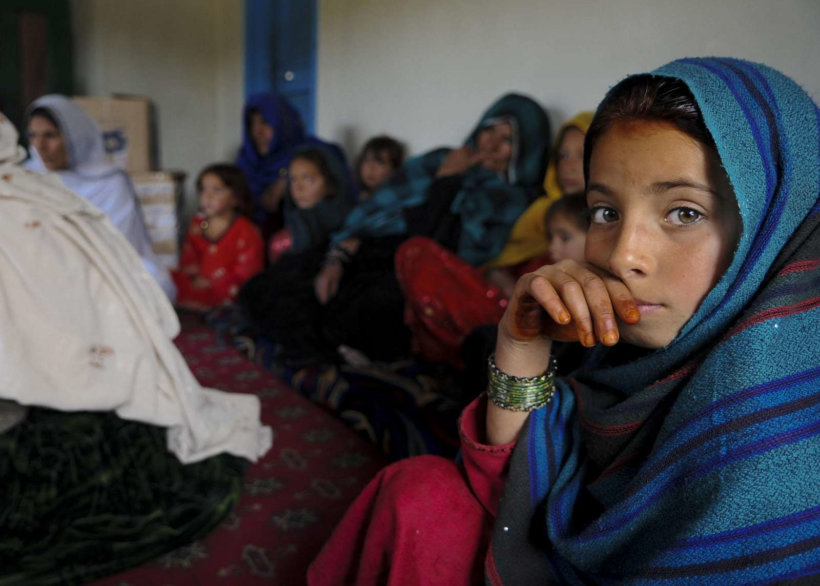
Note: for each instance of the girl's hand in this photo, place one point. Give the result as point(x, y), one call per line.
point(567, 301)
point(326, 283)
point(458, 161)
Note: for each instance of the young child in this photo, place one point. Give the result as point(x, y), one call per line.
point(280, 301)
point(316, 204)
point(380, 156)
point(222, 248)
point(567, 222)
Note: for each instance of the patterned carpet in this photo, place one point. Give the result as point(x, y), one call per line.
point(406, 408)
point(292, 498)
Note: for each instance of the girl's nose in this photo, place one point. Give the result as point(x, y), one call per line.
point(631, 252)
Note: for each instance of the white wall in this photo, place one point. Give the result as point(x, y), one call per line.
point(424, 70)
point(185, 55)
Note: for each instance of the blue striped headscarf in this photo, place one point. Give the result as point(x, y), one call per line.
point(698, 463)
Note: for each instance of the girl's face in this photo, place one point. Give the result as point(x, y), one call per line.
point(570, 161)
point(375, 169)
point(565, 238)
point(664, 221)
point(215, 198)
point(495, 146)
point(261, 133)
point(48, 141)
point(307, 184)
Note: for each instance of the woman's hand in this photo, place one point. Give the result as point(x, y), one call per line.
point(458, 161)
point(273, 194)
point(567, 301)
point(326, 283)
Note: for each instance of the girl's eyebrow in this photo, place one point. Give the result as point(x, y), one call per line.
point(662, 186)
point(599, 187)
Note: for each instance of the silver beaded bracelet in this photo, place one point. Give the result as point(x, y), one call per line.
point(516, 393)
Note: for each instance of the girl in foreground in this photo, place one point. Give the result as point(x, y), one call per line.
point(685, 449)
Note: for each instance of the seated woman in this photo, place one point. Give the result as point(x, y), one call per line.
point(446, 298)
point(680, 451)
point(122, 455)
point(66, 140)
point(467, 199)
point(565, 174)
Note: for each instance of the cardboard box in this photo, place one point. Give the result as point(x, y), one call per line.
point(160, 195)
point(127, 126)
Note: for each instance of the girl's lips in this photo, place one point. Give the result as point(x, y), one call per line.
point(645, 307)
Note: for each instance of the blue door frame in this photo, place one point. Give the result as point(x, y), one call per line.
point(280, 52)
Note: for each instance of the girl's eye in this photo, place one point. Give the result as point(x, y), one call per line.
point(684, 216)
point(603, 215)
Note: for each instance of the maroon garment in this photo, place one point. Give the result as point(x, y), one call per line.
point(445, 299)
point(227, 263)
point(424, 520)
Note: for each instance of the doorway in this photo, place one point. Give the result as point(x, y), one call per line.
point(280, 52)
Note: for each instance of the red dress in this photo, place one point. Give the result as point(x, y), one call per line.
point(446, 298)
point(227, 262)
point(424, 520)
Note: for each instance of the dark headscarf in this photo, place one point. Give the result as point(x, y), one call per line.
point(487, 203)
point(312, 227)
point(289, 133)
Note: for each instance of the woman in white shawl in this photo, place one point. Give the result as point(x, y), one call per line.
point(111, 453)
point(65, 140)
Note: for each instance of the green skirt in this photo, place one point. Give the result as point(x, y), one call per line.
point(84, 495)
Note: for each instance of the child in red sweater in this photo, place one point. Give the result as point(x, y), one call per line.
point(222, 247)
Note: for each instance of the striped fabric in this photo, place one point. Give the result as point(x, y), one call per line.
point(698, 463)
point(487, 204)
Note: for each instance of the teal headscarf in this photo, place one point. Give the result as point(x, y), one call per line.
point(487, 203)
point(697, 463)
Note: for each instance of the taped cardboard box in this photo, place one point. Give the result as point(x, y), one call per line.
point(160, 194)
point(127, 126)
